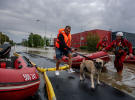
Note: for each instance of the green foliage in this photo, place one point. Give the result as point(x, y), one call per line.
point(3, 38)
point(11, 42)
point(24, 43)
point(36, 40)
point(47, 41)
point(18, 43)
point(92, 41)
point(83, 47)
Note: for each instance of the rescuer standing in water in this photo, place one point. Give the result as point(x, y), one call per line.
point(103, 43)
point(63, 47)
point(120, 48)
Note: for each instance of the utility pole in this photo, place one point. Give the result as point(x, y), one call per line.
point(45, 31)
point(0, 38)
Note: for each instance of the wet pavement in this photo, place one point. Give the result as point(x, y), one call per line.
point(124, 82)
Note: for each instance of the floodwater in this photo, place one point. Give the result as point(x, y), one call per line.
point(124, 82)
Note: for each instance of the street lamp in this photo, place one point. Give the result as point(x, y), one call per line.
point(81, 35)
point(45, 31)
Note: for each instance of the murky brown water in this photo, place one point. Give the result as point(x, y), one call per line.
point(124, 82)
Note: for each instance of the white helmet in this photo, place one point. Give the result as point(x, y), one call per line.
point(119, 34)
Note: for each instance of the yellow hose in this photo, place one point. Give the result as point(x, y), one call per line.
point(48, 69)
point(50, 92)
point(49, 88)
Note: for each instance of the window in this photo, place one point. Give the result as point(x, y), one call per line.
point(72, 40)
point(81, 38)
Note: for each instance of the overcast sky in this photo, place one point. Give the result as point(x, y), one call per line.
point(18, 17)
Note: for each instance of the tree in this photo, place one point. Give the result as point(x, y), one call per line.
point(47, 41)
point(3, 38)
point(92, 41)
point(11, 42)
point(30, 39)
point(36, 40)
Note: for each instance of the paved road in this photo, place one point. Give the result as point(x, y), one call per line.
point(68, 87)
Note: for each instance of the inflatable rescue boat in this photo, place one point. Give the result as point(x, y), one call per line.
point(77, 59)
point(129, 59)
point(18, 77)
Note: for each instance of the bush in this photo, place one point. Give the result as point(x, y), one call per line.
point(83, 47)
point(92, 41)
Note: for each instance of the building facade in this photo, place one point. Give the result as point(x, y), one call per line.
point(79, 39)
point(51, 42)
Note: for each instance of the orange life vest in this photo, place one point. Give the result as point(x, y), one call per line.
point(67, 39)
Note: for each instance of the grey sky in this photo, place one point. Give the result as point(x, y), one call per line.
point(18, 17)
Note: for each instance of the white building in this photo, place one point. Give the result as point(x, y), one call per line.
point(51, 41)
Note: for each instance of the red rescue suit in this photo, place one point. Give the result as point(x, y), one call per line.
point(102, 45)
point(119, 48)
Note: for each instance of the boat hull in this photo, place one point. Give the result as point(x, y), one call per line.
point(129, 60)
point(18, 84)
point(76, 61)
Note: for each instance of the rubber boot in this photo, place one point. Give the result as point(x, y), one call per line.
point(120, 72)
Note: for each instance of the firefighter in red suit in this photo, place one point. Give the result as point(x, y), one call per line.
point(103, 43)
point(120, 48)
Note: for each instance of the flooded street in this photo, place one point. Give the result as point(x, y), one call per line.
point(124, 82)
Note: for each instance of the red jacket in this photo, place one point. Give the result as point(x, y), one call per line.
point(102, 44)
point(122, 43)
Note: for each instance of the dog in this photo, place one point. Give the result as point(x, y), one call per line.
point(94, 67)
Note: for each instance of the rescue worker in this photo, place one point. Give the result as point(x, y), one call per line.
point(103, 43)
point(120, 48)
point(63, 47)
point(133, 51)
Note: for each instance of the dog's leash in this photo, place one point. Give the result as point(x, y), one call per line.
point(88, 58)
point(83, 55)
